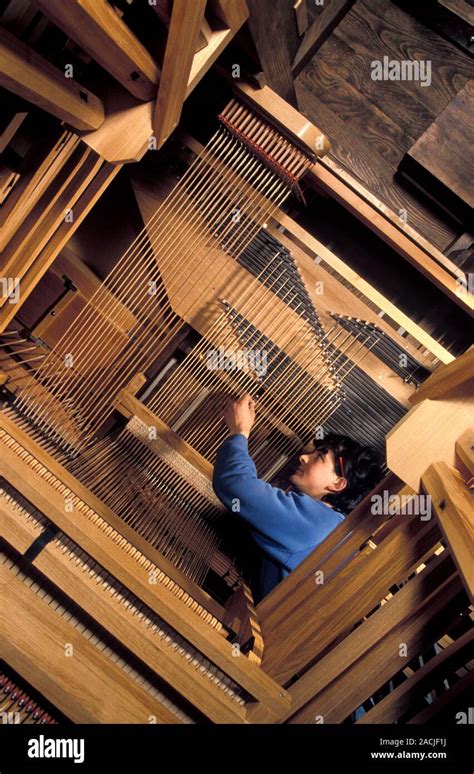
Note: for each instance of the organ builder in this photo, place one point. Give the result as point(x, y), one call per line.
point(287, 525)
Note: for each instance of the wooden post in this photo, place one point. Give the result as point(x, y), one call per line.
point(180, 49)
point(267, 30)
point(455, 376)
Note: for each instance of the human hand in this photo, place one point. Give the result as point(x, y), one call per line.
point(240, 415)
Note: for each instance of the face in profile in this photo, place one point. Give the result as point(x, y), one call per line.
point(316, 474)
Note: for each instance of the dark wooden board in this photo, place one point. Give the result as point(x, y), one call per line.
point(441, 160)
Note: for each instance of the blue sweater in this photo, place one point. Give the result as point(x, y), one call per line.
point(287, 526)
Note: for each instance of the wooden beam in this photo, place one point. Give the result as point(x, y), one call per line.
point(465, 450)
point(9, 131)
point(301, 13)
point(427, 434)
point(319, 31)
point(436, 267)
point(82, 194)
point(453, 504)
point(32, 77)
point(455, 376)
point(266, 28)
point(233, 13)
point(91, 676)
point(186, 20)
point(94, 25)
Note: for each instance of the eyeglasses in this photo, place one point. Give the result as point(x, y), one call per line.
point(342, 467)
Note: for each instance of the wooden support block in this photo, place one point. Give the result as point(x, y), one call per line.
point(440, 161)
point(427, 434)
point(33, 78)
point(179, 54)
point(448, 380)
point(94, 25)
point(453, 504)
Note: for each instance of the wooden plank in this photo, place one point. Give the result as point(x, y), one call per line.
point(33, 78)
point(11, 128)
point(130, 406)
point(94, 25)
point(266, 28)
point(20, 532)
point(285, 117)
point(349, 535)
point(461, 8)
point(77, 685)
point(233, 13)
point(319, 31)
point(443, 167)
point(428, 433)
point(417, 629)
point(96, 505)
point(179, 54)
point(301, 13)
point(454, 506)
point(43, 164)
point(150, 647)
point(448, 379)
point(43, 220)
point(334, 172)
point(453, 700)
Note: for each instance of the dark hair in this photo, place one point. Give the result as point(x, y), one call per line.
point(361, 467)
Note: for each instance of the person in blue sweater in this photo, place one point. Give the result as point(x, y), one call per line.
point(287, 525)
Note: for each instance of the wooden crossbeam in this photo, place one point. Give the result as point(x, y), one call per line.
point(319, 31)
point(179, 54)
point(455, 376)
point(32, 657)
point(32, 77)
point(427, 434)
point(94, 25)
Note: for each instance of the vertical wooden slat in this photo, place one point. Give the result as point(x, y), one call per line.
point(180, 49)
